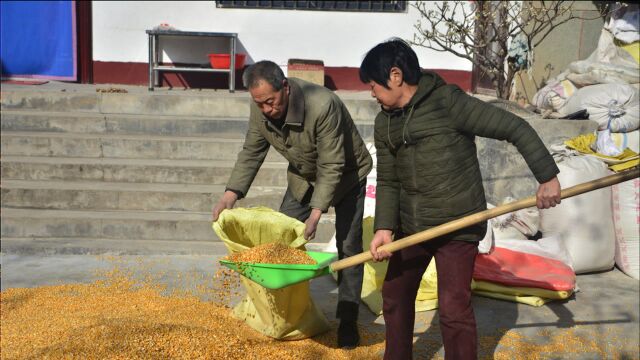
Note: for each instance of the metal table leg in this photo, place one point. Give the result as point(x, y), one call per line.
point(156, 60)
point(151, 63)
point(232, 71)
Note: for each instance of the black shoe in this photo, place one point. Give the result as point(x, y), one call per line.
point(348, 337)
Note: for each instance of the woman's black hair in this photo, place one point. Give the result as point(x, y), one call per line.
point(392, 53)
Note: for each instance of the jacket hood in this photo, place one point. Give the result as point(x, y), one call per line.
point(429, 81)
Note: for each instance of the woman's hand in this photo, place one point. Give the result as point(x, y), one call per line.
point(548, 194)
point(381, 237)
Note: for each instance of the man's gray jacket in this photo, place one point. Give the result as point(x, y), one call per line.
point(318, 138)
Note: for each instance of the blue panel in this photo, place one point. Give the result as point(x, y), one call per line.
point(38, 39)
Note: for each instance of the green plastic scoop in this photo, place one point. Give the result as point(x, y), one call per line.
point(276, 276)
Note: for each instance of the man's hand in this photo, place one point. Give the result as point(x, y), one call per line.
point(311, 225)
point(548, 194)
point(227, 201)
point(381, 237)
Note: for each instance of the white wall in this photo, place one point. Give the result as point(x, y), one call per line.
point(337, 38)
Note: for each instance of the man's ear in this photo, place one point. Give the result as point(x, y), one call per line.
point(395, 76)
point(285, 86)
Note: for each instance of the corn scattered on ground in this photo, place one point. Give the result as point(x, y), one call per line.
point(131, 313)
point(273, 253)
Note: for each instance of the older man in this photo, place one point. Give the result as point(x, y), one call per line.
point(328, 164)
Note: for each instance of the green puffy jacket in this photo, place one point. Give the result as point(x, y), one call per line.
point(318, 138)
point(427, 167)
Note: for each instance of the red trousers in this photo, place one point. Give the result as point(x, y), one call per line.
point(454, 264)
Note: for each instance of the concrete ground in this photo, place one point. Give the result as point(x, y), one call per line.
point(600, 321)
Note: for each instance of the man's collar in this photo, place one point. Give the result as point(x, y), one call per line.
point(295, 109)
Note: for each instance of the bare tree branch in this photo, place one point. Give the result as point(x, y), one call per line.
point(481, 31)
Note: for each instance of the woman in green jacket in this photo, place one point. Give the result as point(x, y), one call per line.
point(428, 174)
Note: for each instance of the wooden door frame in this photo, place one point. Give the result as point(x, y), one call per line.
point(84, 36)
point(480, 84)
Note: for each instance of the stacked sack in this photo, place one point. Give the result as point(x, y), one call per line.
point(598, 228)
point(520, 269)
point(605, 85)
point(584, 224)
point(625, 200)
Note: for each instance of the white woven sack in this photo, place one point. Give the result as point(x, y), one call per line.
point(608, 64)
point(549, 247)
point(617, 141)
point(584, 223)
point(613, 106)
point(626, 220)
point(370, 197)
point(518, 224)
point(487, 245)
point(629, 140)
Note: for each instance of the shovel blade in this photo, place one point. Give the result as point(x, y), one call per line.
point(278, 276)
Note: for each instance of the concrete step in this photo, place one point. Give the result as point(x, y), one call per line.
point(79, 195)
point(205, 172)
point(214, 125)
point(149, 103)
point(26, 143)
point(97, 123)
point(89, 172)
point(144, 225)
point(163, 103)
point(116, 247)
point(101, 246)
point(120, 225)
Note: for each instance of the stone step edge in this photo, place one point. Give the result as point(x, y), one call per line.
point(115, 136)
point(107, 116)
point(13, 213)
point(128, 187)
point(127, 137)
point(212, 192)
point(147, 104)
point(60, 160)
point(128, 116)
point(106, 246)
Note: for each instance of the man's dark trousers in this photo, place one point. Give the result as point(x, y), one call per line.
point(349, 212)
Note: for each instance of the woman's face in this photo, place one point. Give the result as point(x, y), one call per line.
point(389, 98)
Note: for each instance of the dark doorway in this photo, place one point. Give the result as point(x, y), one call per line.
point(84, 36)
point(480, 81)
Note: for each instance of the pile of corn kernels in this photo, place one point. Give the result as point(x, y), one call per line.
point(122, 318)
point(273, 253)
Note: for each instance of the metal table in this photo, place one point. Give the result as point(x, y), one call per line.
point(154, 68)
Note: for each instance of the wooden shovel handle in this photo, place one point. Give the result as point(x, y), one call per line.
point(483, 216)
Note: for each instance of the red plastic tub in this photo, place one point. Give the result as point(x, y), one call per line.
point(223, 61)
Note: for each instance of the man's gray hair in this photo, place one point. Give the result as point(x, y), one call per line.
point(264, 70)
